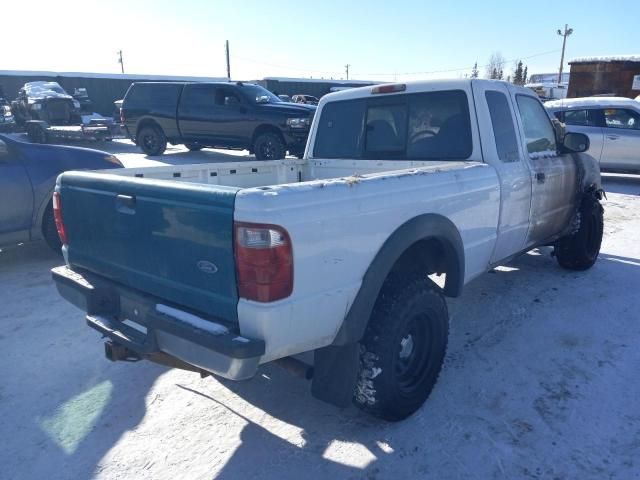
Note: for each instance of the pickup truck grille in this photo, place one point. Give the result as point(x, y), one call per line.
point(58, 111)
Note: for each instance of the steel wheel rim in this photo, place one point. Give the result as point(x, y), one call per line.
point(150, 142)
point(268, 149)
point(412, 362)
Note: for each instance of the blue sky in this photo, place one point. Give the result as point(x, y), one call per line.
point(382, 40)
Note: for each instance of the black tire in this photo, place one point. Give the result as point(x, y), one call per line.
point(50, 231)
point(580, 250)
point(403, 348)
point(152, 140)
point(269, 146)
point(192, 147)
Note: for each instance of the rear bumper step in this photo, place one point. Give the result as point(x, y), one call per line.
point(137, 327)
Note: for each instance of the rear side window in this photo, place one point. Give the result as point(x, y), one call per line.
point(340, 130)
point(422, 126)
point(538, 131)
point(579, 117)
point(157, 95)
point(621, 118)
point(198, 96)
point(503, 129)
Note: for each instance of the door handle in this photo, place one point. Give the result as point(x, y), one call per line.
point(126, 203)
point(540, 177)
point(613, 137)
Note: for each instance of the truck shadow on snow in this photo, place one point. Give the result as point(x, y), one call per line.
point(63, 406)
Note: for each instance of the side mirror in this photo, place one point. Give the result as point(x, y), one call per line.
point(575, 143)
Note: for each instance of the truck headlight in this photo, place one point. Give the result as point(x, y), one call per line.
point(76, 104)
point(298, 122)
point(36, 106)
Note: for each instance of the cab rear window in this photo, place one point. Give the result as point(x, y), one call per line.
point(422, 126)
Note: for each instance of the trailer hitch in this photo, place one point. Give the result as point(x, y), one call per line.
point(116, 352)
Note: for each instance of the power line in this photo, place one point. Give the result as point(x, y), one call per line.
point(462, 68)
point(337, 73)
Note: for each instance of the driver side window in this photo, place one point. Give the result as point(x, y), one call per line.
point(539, 133)
point(225, 97)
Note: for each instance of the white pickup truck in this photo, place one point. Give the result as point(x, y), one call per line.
point(338, 264)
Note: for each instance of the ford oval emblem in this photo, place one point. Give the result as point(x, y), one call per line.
point(207, 267)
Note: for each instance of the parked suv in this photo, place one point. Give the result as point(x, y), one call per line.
point(613, 127)
point(236, 116)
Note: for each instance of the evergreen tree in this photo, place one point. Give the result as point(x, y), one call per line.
point(524, 75)
point(517, 74)
point(474, 71)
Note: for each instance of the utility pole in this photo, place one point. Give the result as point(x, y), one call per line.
point(120, 61)
point(567, 31)
point(346, 67)
point(228, 63)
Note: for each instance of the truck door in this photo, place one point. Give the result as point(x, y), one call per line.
point(621, 139)
point(197, 112)
point(554, 177)
point(502, 149)
point(230, 118)
point(16, 198)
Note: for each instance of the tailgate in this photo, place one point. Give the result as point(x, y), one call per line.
point(173, 240)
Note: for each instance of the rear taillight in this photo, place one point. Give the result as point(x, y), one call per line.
point(123, 119)
point(57, 215)
point(264, 262)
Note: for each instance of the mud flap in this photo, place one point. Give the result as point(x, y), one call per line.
point(335, 373)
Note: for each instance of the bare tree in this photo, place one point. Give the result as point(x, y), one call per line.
point(495, 66)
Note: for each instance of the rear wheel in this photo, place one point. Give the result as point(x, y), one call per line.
point(193, 147)
point(579, 251)
point(269, 146)
point(403, 348)
point(49, 229)
point(152, 140)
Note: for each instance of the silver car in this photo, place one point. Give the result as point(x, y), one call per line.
point(612, 124)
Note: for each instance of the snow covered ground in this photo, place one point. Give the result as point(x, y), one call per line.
point(541, 382)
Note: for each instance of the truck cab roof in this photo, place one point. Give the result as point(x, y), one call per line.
point(415, 87)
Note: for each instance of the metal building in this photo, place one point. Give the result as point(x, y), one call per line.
point(614, 75)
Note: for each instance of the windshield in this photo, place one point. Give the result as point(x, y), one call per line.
point(258, 94)
point(43, 88)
